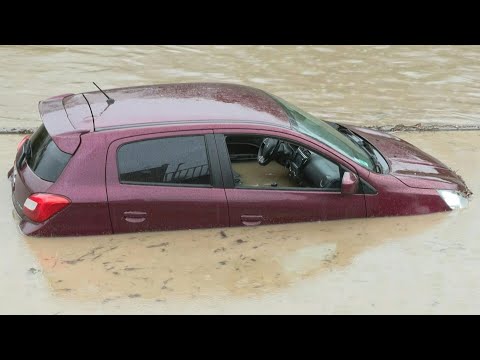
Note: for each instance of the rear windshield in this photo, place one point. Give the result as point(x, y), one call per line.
point(47, 161)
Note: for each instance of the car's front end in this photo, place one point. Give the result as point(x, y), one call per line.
point(415, 174)
point(408, 181)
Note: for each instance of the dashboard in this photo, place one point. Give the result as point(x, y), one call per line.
point(305, 168)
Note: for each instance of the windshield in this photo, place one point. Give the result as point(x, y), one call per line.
point(309, 125)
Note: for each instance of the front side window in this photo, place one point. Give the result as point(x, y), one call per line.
point(273, 163)
point(176, 160)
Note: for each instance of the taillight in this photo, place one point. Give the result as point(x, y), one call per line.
point(41, 207)
point(20, 144)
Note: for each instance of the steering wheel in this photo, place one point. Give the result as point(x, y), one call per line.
point(266, 150)
point(326, 182)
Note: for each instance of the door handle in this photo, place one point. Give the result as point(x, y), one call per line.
point(251, 220)
point(134, 216)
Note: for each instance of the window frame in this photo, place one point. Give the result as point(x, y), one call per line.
point(210, 149)
point(228, 177)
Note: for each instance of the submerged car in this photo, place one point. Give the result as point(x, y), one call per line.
point(203, 155)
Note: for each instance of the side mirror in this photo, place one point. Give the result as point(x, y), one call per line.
point(349, 183)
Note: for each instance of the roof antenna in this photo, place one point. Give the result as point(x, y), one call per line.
point(110, 101)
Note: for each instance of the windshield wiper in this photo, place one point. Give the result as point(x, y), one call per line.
point(363, 144)
point(369, 149)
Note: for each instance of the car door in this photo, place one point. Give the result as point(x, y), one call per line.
point(274, 205)
point(165, 181)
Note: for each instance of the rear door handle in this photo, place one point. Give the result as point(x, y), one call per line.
point(251, 220)
point(134, 216)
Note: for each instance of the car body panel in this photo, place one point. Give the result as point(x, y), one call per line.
point(394, 198)
point(68, 116)
point(58, 125)
point(186, 102)
point(253, 206)
point(279, 206)
point(163, 207)
point(409, 164)
point(83, 182)
point(25, 182)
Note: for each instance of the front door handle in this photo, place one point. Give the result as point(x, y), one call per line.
point(251, 220)
point(134, 216)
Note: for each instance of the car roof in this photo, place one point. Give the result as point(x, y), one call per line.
point(182, 103)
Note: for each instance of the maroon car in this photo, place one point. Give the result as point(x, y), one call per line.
point(184, 156)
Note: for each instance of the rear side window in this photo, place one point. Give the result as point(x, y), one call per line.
point(177, 160)
point(47, 161)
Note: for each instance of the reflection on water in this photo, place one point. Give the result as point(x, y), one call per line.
point(202, 263)
point(370, 85)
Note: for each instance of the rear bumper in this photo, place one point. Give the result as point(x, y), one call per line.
point(18, 208)
point(24, 224)
point(20, 218)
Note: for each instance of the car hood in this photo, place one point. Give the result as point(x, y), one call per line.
point(409, 164)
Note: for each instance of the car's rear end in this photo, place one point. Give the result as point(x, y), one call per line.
point(38, 164)
point(44, 194)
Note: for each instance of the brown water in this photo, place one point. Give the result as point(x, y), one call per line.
point(422, 264)
point(369, 85)
point(419, 264)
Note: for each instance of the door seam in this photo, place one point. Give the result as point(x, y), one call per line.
point(223, 182)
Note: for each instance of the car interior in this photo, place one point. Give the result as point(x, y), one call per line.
point(268, 162)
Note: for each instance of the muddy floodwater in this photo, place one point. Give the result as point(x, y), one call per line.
point(420, 264)
point(373, 85)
